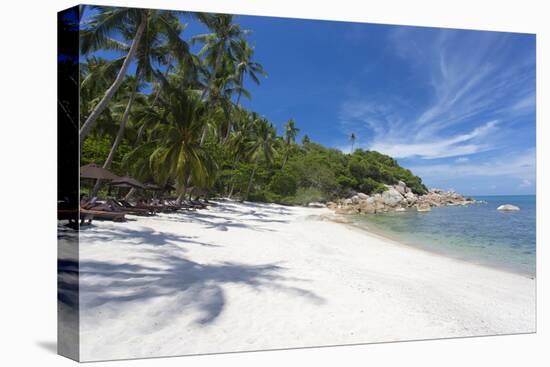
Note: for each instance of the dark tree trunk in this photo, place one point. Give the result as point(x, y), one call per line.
point(108, 96)
point(119, 135)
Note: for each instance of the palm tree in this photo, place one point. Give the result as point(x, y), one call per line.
point(223, 41)
point(98, 35)
point(154, 36)
point(173, 147)
point(290, 136)
point(158, 44)
point(262, 145)
point(306, 140)
point(221, 91)
point(240, 139)
point(245, 66)
point(352, 138)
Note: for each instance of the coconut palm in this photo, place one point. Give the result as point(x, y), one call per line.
point(245, 66)
point(222, 42)
point(96, 75)
point(290, 132)
point(158, 45)
point(222, 88)
point(173, 147)
point(261, 145)
point(240, 138)
point(97, 34)
point(154, 36)
point(352, 138)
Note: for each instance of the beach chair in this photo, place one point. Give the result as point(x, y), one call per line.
point(73, 215)
point(129, 209)
point(104, 215)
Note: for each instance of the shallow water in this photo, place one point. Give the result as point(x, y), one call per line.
point(476, 233)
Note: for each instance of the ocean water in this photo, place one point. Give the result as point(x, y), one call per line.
point(476, 233)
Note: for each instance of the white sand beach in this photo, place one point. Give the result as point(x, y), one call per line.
point(242, 277)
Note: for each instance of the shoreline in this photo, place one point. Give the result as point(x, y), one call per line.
point(250, 276)
point(400, 242)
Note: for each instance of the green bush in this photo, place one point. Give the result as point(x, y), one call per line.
point(307, 195)
point(283, 184)
point(369, 186)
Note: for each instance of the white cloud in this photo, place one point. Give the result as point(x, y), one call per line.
point(466, 92)
point(526, 104)
point(522, 166)
point(462, 159)
point(462, 144)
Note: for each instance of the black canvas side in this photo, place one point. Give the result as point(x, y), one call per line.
point(68, 182)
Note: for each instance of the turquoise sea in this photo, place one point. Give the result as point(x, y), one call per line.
point(476, 233)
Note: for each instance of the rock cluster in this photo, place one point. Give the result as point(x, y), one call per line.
point(397, 198)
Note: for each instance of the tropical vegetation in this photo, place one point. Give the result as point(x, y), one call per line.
point(153, 109)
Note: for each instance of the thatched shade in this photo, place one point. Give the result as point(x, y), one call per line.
point(127, 181)
point(153, 187)
point(96, 172)
point(167, 187)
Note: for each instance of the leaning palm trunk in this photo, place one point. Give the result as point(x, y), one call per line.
point(237, 103)
point(212, 77)
point(208, 89)
point(241, 80)
point(180, 198)
point(130, 194)
point(231, 190)
point(233, 178)
point(251, 179)
point(286, 158)
point(118, 137)
point(203, 135)
point(86, 127)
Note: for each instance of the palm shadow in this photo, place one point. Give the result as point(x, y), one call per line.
point(218, 222)
point(142, 236)
point(187, 284)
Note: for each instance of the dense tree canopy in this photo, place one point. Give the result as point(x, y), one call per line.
point(176, 117)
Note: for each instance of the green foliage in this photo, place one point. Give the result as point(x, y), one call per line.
point(307, 195)
point(190, 130)
point(283, 183)
point(371, 186)
point(97, 147)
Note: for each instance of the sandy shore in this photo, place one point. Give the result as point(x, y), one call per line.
point(240, 277)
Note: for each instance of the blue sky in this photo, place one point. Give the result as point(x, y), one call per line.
point(456, 107)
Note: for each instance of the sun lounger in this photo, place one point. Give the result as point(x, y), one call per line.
point(129, 209)
point(72, 215)
point(149, 207)
point(104, 215)
point(197, 204)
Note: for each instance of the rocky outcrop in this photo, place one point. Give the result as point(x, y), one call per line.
point(392, 197)
point(400, 198)
point(402, 188)
point(508, 208)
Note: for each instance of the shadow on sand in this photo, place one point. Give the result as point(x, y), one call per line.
point(220, 222)
point(185, 283)
point(153, 273)
point(142, 236)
